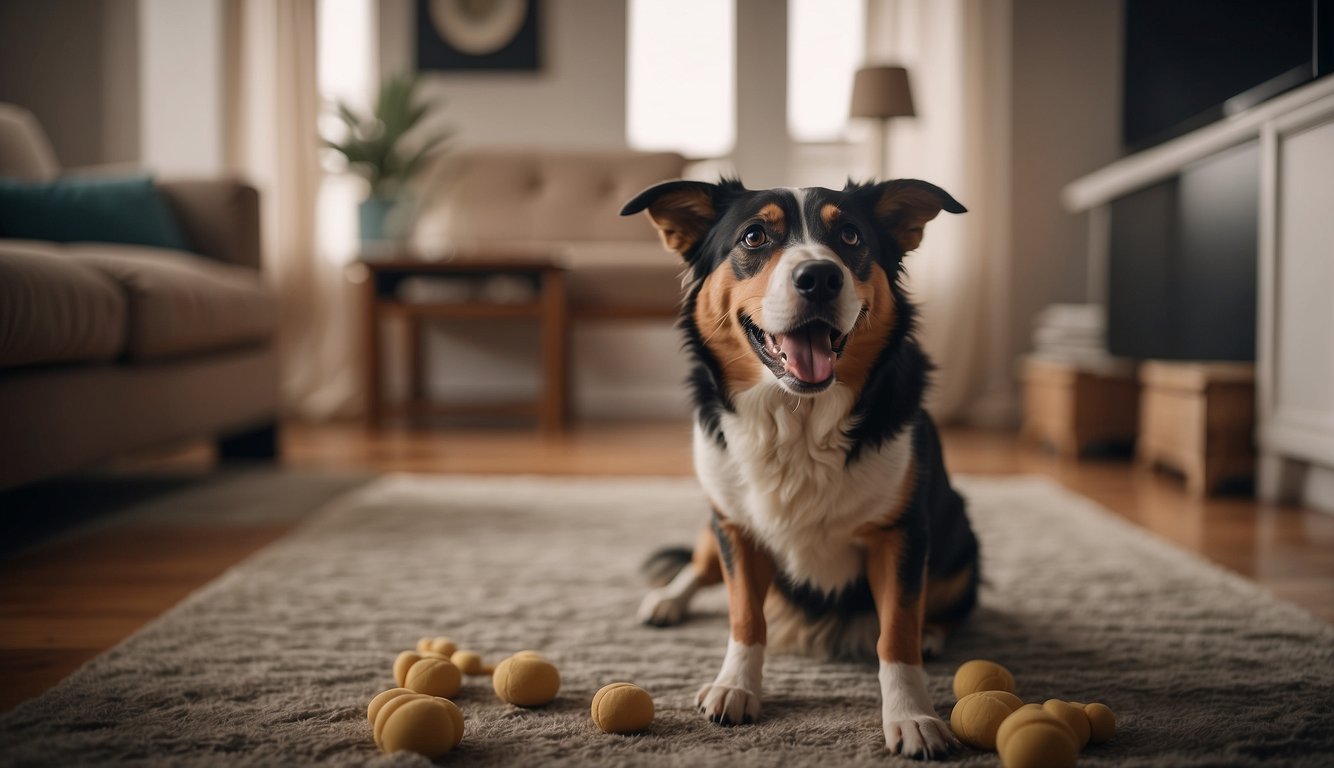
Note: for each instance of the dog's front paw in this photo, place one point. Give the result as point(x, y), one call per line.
point(662, 608)
point(728, 704)
point(923, 738)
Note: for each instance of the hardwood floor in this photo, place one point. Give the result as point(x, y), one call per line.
point(63, 602)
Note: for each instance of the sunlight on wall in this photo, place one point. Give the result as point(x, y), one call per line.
point(825, 48)
point(346, 72)
point(681, 76)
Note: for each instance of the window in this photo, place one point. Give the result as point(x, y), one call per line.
point(681, 76)
point(825, 46)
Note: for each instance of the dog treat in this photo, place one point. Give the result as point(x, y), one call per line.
point(380, 700)
point(1102, 722)
point(526, 680)
point(434, 677)
point(981, 675)
point(427, 725)
point(469, 663)
point(977, 717)
point(622, 708)
point(1072, 716)
point(1034, 738)
point(401, 664)
point(529, 654)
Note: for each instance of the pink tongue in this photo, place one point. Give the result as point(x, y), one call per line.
point(810, 353)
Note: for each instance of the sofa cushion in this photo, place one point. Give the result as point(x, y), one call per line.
point(104, 210)
point(486, 198)
point(182, 304)
point(53, 310)
point(25, 152)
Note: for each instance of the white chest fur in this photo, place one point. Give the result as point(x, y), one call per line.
point(783, 476)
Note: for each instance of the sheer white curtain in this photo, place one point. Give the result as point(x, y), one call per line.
point(956, 52)
point(273, 141)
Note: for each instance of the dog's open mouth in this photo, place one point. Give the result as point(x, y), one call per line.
point(803, 356)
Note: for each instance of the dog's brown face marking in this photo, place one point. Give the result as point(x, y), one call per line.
point(722, 300)
point(872, 331)
point(829, 214)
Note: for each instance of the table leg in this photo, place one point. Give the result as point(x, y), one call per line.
point(371, 350)
point(555, 353)
point(413, 340)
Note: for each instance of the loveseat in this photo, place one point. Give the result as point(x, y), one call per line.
point(565, 204)
point(111, 347)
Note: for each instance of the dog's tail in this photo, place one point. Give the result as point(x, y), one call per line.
point(662, 566)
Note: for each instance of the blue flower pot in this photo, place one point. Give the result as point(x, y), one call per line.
point(374, 214)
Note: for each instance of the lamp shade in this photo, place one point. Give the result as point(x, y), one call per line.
point(881, 92)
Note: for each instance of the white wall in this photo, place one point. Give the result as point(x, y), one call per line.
point(1066, 70)
point(182, 86)
point(576, 100)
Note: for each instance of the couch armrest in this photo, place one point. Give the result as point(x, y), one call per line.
point(220, 217)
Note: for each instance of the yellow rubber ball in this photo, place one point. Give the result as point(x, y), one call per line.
point(404, 661)
point(443, 645)
point(981, 675)
point(1072, 716)
point(977, 717)
point(526, 681)
point(1102, 722)
point(381, 699)
point(622, 708)
point(426, 725)
point(434, 677)
point(469, 663)
point(1036, 739)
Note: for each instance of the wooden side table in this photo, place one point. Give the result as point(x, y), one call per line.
point(1071, 407)
point(383, 276)
point(1199, 419)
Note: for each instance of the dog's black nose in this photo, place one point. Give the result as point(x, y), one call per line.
point(818, 281)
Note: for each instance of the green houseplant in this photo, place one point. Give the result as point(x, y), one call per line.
point(375, 149)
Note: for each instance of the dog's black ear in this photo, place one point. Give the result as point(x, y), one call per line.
point(904, 206)
point(682, 211)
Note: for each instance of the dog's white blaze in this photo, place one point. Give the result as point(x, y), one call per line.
point(783, 308)
point(783, 478)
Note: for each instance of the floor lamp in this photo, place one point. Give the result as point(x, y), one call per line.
point(881, 93)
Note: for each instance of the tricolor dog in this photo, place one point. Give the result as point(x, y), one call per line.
point(834, 525)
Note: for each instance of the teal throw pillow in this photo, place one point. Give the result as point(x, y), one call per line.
point(104, 210)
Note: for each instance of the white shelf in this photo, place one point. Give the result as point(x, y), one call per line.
point(1166, 160)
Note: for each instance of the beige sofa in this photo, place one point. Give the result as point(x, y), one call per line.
point(566, 204)
point(108, 348)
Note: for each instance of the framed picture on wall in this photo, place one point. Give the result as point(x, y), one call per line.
point(477, 35)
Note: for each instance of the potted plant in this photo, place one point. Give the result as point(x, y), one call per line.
point(375, 149)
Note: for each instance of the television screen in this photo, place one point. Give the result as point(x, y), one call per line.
point(1190, 62)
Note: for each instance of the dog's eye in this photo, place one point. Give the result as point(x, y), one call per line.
point(754, 237)
point(849, 235)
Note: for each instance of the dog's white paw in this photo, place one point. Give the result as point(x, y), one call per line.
point(922, 738)
point(661, 607)
point(728, 704)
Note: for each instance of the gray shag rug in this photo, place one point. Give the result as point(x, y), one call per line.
point(274, 663)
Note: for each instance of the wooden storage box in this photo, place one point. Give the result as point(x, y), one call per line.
point(1073, 406)
point(1199, 419)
